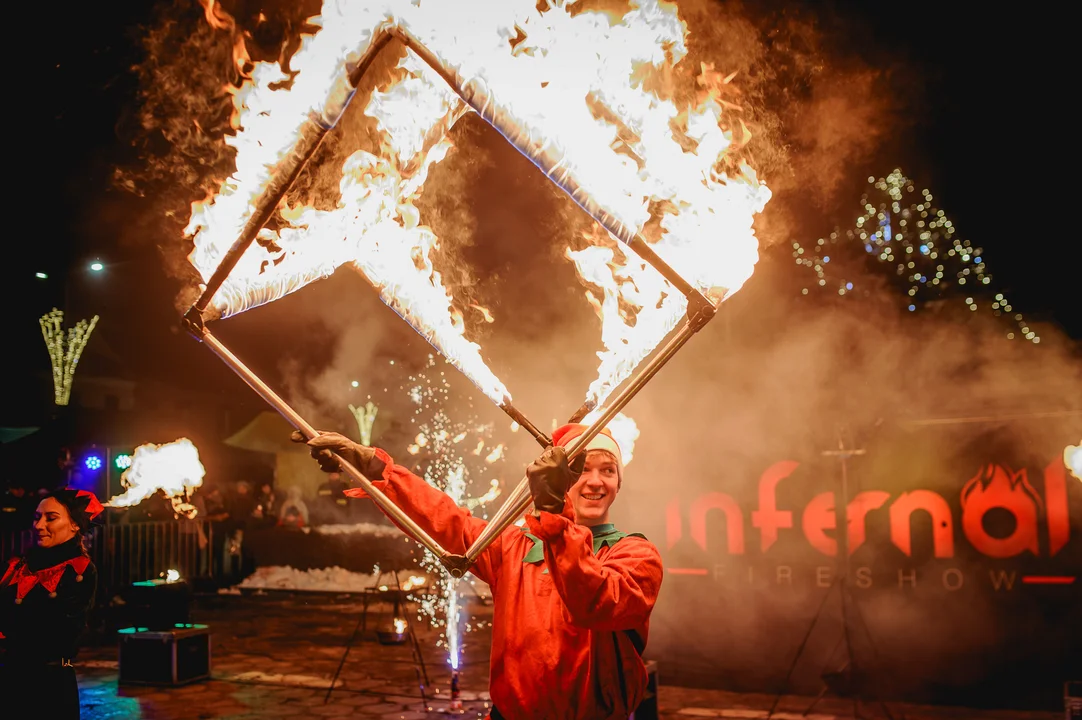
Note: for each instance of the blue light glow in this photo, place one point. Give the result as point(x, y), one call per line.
point(93, 462)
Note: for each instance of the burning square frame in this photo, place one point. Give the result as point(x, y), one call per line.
point(700, 310)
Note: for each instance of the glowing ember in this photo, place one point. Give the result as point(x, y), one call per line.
point(624, 431)
point(496, 454)
point(485, 313)
point(173, 468)
point(1072, 458)
point(579, 89)
point(481, 500)
point(414, 581)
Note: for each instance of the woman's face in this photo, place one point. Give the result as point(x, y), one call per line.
point(53, 524)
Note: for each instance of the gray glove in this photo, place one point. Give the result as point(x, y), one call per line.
point(328, 446)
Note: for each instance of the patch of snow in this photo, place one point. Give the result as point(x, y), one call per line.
point(360, 529)
point(331, 579)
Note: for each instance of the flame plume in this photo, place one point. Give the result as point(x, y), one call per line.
point(624, 430)
point(584, 89)
point(173, 468)
point(1072, 458)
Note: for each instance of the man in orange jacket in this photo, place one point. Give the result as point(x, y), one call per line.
point(572, 594)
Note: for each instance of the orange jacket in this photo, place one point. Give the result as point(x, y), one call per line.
point(565, 627)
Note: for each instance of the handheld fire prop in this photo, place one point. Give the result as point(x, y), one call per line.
point(580, 95)
point(172, 468)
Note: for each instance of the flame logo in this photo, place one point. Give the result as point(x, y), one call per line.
point(995, 486)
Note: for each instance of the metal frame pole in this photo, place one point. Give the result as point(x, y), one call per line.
point(700, 310)
point(520, 498)
point(263, 390)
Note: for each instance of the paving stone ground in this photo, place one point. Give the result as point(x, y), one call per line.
point(274, 655)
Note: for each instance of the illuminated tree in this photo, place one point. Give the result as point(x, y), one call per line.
point(366, 417)
point(65, 348)
point(902, 229)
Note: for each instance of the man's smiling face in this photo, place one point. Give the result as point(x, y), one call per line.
point(592, 495)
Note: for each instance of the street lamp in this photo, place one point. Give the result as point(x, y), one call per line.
point(96, 266)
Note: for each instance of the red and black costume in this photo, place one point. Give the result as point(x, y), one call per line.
point(571, 604)
point(45, 598)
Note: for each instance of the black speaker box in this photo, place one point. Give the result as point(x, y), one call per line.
point(167, 657)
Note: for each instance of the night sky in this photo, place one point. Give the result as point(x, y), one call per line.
point(989, 139)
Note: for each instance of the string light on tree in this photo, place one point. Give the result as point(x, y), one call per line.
point(65, 348)
point(903, 230)
point(366, 418)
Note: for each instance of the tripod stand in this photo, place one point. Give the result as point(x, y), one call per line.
point(399, 600)
point(848, 680)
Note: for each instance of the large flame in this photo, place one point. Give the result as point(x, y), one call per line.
point(1072, 458)
point(624, 430)
point(582, 86)
point(173, 468)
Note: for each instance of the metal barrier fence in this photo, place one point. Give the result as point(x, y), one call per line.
point(131, 552)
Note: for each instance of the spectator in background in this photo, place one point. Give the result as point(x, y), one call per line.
point(266, 508)
point(218, 515)
point(332, 505)
point(242, 509)
point(16, 507)
point(294, 512)
point(193, 538)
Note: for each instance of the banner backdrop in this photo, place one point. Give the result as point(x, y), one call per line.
point(965, 564)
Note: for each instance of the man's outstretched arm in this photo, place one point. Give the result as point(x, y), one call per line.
point(453, 527)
